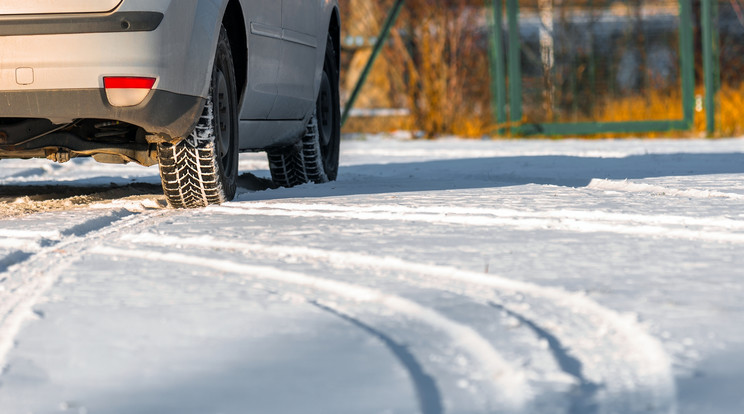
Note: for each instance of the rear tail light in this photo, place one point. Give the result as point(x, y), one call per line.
point(127, 91)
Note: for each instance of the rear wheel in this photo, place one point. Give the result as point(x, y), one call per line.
point(315, 158)
point(203, 168)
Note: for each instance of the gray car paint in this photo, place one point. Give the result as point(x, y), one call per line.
point(56, 6)
point(286, 45)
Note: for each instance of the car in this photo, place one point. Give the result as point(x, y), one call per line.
point(186, 84)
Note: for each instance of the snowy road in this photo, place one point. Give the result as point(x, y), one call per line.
point(434, 277)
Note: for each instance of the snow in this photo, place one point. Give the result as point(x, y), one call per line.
point(449, 276)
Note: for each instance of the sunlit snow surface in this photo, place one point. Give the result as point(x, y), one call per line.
point(435, 277)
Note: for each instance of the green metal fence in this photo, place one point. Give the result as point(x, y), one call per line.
point(564, 68)
point(572, 65)
point(711, 61)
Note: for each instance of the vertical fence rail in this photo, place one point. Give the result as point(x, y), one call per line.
point(711, 62)
point(506, 74)
point(515, 63)
point(687, 86)
point(381, 40)
point(687, 56)
point(496, 55)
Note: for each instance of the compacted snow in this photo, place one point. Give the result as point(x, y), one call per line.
point(434, 277)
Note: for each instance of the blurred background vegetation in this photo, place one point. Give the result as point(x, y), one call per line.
point(581, 61)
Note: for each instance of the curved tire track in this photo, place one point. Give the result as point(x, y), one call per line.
point(583, 396)
point(632, 187)
point(715, 229)
point(29, 277)
point(629, 367)
point(508, 389)
point(427, 391)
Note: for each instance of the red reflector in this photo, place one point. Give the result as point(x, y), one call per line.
point(128, 83)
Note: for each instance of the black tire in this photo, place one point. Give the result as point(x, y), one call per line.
point(203, 168)
point(315, 158)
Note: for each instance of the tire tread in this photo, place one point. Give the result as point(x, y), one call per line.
point(191, 170)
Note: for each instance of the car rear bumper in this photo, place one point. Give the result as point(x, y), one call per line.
point(161, 112)
point(82, 60)
point(53, 66)
point(119, 22)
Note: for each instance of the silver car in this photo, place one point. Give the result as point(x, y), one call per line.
point(187, 84)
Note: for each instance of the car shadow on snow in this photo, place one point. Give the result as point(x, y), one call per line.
point(40, 192)
point(437, 175)
point(494, 172)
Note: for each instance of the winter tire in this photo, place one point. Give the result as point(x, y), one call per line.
point(315, 158)
point(203, 168)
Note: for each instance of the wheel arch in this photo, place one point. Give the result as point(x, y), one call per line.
point(234, 22)
point(334, 30)
point(331, 26)
point(205, 18)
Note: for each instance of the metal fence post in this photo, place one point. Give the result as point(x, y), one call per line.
point(687, 57)
point(710, 63)
point(515, 65)
point(498, 67)
point(387, 26)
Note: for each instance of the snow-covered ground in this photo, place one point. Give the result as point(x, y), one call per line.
point(435, 277)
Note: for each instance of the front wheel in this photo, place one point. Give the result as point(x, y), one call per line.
point(315, 158)
point(203, 168)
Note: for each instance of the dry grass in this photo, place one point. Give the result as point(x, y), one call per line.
point(435, 64)
point(652, 106)
point(649, 107)
point(378, 124)
point(464, 126)
point(660, 106)
point(731, 115)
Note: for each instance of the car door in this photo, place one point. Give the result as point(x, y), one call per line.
point(296, 83)
point(263, 20)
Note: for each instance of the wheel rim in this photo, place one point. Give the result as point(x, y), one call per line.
point(327, 117)
point(223, 120)
point(325, 113)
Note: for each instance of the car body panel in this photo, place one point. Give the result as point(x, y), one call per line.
point(285, 40)
point(263, 21)
point(296, 89)
point(56, 6)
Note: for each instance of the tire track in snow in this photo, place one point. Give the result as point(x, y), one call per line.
point(714, 229)
point(427, 391)
point(509, 389)
point(27, 173)
point(631, 187)
point(467, 215)
point(583, 397)
point(12, 258)
point(29, 234)
point(31, 276)
point(28, 240)
point(630, 367)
